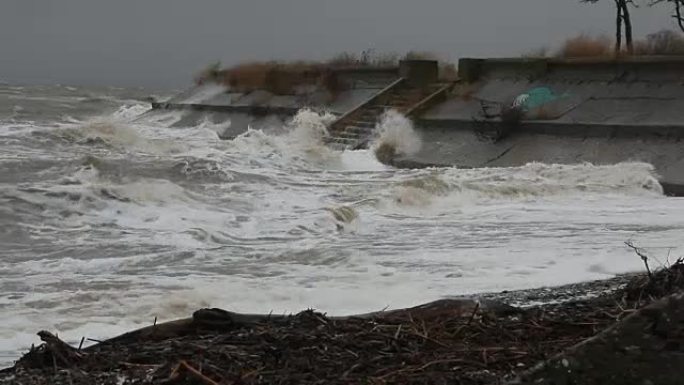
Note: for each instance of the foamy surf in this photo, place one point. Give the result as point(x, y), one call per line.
point(301, 143)
point(107, 222)
point(396, 131)
point(129, 112)
point(531, 181)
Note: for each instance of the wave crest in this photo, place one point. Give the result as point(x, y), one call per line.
point(533, 180)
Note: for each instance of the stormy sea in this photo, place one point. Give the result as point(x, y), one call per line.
point(112, 216)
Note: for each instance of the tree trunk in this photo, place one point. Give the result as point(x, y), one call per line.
point(628, 26)
point(618, 29)
point(678, 13)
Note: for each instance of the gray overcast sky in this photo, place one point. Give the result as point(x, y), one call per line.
point(162, 43)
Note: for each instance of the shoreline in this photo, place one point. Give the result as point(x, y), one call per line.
point(497, 338)
point(523, 298)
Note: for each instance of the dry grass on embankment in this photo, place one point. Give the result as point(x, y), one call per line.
point(586, 46)
point(282, 78)
point(662, 43)
point(277, 77)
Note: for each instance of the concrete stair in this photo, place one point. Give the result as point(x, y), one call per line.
point(356, 128)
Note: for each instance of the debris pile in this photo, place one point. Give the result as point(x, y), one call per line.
point(657, 284)
point(448, 341)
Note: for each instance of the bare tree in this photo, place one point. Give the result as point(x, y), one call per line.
point(623, 18)
point(628, 23)
point(678, 10)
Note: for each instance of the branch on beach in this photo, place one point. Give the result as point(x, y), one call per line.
point(54, 352)
point(640, 253)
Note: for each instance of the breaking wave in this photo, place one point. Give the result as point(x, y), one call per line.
point(122, 218)
point(88, 190)
point(302, 141)
point(534, 180)
point(116, 130)
point(396, 131)
point(128, 112)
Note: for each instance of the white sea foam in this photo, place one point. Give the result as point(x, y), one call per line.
point(127, 112)
point(101, 238)
point(396, 130)
point(218, 128)
point(162, 118)
point(119, 134)
point(457, 187)
point(301, 142)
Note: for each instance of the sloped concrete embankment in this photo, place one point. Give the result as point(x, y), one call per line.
point(603, 112)
point(237, 110)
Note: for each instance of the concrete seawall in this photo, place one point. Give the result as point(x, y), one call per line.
point(602, 112)
point(573, 111)
point(261, 109)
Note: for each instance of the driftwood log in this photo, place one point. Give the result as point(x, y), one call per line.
point(219, 319)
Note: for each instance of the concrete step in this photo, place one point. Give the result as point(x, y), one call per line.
point(356, 133)
point(400, 105)
point(402, 97)
point(359, 130)
point(399, 101)
point(345, 141)
point(340, 141)
point(347, 135)
point(394, 107)
point(338, 146)
point(362, 123)
point(368, 115)
point(412, 92)
point(372, 113)
point(360, 127)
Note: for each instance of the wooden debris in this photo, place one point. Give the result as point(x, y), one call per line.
point(447, 341)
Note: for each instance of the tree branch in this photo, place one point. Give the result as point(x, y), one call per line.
point(678, 5)
point(643, 256)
